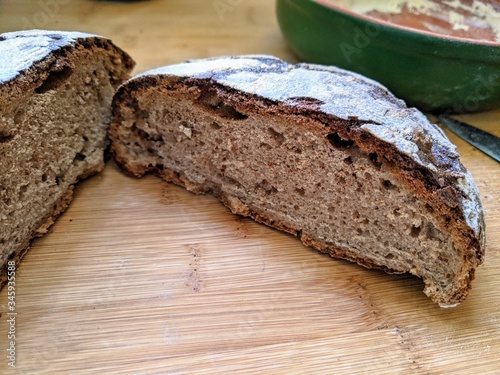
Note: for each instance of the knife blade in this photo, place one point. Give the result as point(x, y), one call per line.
point(484, 141)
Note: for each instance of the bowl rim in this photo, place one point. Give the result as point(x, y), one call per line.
point(338, 8)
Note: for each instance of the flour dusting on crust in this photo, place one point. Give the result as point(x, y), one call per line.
point(19, 50)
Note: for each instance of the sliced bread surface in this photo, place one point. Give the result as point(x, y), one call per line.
point(55, 106)
point(319, 152)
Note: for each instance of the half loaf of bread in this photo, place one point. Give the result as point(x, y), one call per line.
point(55, 107)
point(315, 151)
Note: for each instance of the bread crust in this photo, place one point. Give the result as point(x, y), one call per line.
point(358, 110)
point(29, 57)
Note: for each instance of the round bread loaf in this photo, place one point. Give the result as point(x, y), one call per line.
point(319, 152)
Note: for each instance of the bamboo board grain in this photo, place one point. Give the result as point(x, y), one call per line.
point(142, 277)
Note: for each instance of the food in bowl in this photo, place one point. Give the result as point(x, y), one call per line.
point(439, 56)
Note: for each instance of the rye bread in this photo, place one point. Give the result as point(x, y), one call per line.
point(55, 106)
point(325, 154)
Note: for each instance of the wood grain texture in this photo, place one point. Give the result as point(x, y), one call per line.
point(142, 277)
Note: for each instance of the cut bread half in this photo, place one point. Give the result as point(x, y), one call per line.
point(55, 105)
point(319, 152)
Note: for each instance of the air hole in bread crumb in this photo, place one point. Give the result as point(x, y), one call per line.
point(143, 134)
point(80, 157)
point(226, 111)
point(44, 177)
point(300, 191)
point(267, 187)
point(209, 98)
point(276, 136)
point(54, 80)
point(388, 185)
point(415, 231)
point(58, 180)
point(213, 102)
point(432, 233)
point(348, 160)
point(338, 142)
point(271, 191)
point(375, 160)
point(5, 137)
point(389, 256)
point(397, 212)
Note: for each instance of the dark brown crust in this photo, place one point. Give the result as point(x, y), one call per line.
point(433, 172)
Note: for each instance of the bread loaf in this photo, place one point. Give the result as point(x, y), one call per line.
point(319, 152)
point(55, 106)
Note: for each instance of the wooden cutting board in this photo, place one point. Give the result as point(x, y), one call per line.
point(143, 277)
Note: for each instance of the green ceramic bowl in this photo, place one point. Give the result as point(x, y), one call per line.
point(433, 72)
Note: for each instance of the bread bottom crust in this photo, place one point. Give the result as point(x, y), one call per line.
point(240, 208)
